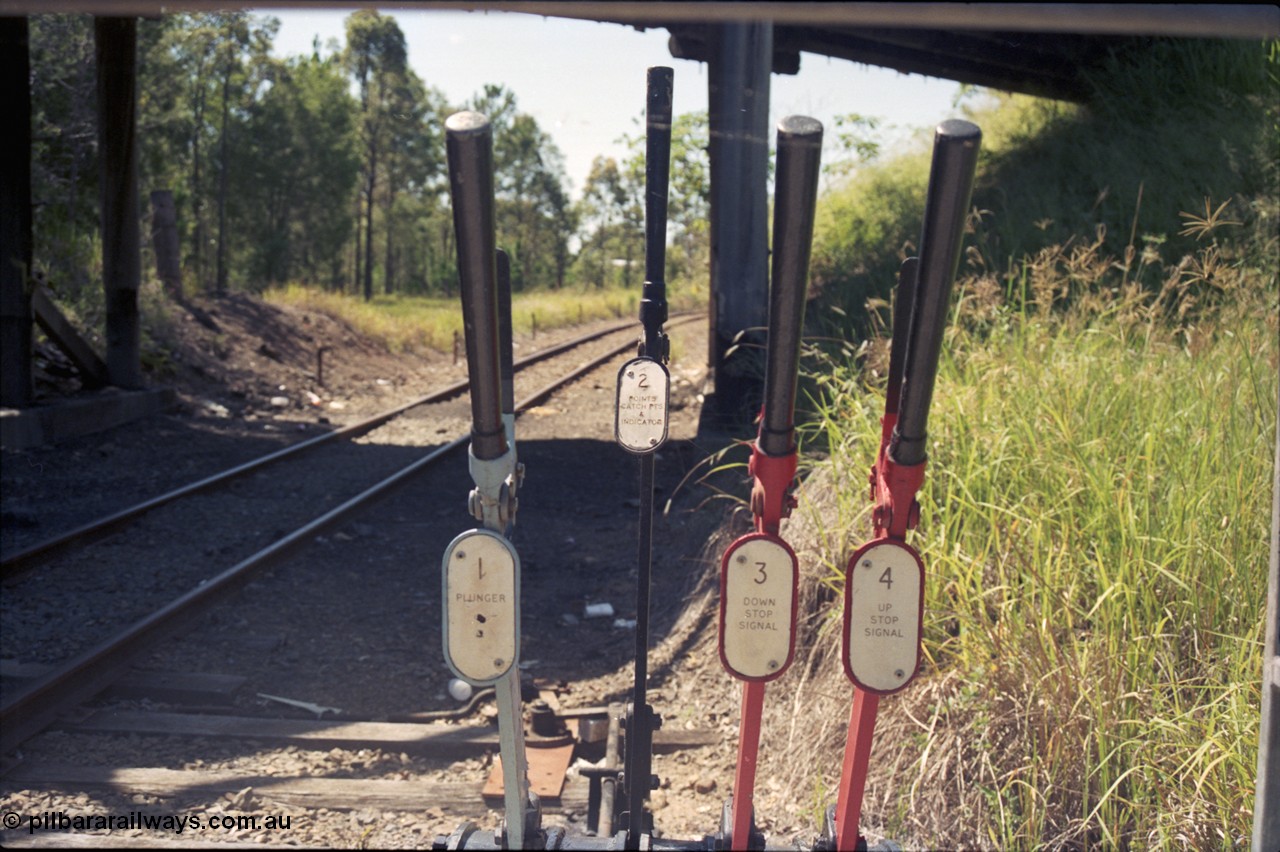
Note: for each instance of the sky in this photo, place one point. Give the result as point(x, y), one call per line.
point(584, 81)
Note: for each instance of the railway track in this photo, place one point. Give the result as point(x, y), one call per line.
point(270, 515)
point(26, 558)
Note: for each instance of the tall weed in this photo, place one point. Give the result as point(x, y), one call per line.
point(1094, 527)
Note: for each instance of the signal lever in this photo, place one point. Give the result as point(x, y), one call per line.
point(481, 569)
point(759, 572)
point(884, 580)
point(640, 427)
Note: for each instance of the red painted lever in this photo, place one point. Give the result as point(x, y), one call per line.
point(923, 302)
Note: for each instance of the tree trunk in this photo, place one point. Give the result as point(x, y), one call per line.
point(446, 252)
point(368, 226)
point(355, 260)
point(224, 169)
point(600, 253)
point(388, 266)
point(197, 188)
point(164, 239)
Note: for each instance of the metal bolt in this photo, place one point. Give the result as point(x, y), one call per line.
point(866, 563)
point(773, 664)
point(461, 554)
point(899, 674)
point(497, 664)
point(742, 559)
point(631, 374)
point(653, 441)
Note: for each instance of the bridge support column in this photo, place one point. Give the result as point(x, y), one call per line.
point(116, 41)
point(739, 59)
point(15, 215)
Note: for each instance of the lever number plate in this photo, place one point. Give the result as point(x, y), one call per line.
point(481, 605)
point(758, 578)
point(644, 397)
point(883, 611)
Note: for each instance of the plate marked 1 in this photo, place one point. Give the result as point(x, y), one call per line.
point(481, 605)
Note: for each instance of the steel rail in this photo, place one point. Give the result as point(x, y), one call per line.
point(24, 560)
point(93, 670)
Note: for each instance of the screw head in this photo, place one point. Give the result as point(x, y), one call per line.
point(866, 563)
point(742, 559)
point(899, 674)
point(499, 663)
point(459, 554)
point(773, 665)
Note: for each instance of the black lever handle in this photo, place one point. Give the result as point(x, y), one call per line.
point(506, 365)
point(795, 197)
point(955, 158)
point(469, 149)
point(657, 178)
point(907, 274)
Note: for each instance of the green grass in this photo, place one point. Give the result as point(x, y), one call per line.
point(1095, 520)
point(1095, 527)
point(417, 323)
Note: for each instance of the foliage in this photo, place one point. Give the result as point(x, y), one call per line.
point(285, 189)
point(689, 261)
point(688, 201)
point(611, 206)
point(324, 169)
point(1094, 514)
point(1100, 451)
point(1120, 167)
point(64, 180)
point(855, 137)
point(534, 218)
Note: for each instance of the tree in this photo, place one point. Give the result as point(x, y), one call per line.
point(240, 35)
point(534, 218)
point(608, 209)
point(413, 166)
point(376, 57)
point(64, 150)
point(199, 75)
point(689, 205)
point(300, 166)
